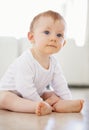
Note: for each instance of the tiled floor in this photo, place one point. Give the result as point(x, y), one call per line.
point(55, 121)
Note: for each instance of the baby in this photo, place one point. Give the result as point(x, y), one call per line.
point(23, 88)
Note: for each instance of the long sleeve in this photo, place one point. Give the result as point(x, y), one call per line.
point(24, 79)
point(59, 84)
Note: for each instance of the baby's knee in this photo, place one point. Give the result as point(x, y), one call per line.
point(3, 98)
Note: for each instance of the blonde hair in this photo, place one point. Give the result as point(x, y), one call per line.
point(54, 15)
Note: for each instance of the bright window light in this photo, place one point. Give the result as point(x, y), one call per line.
point(76, 16)
point(16, 15)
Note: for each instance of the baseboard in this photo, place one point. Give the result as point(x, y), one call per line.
point(78, 86)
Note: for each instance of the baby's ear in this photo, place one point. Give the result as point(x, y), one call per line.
point(31, 37)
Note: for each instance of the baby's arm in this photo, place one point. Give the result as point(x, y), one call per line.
point(25, 85)
point(59, 84)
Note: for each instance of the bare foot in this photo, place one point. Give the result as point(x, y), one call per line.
point(68, 106)
point(43, 108)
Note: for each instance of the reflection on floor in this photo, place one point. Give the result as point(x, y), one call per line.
point(55, 121)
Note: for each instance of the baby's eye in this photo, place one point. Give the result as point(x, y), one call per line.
point(46, 32)
point(59, 35)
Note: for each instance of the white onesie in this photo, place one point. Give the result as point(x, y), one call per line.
point(29, 79)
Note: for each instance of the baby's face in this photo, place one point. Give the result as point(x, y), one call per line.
point(49, 35)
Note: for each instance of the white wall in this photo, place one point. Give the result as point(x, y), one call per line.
point(8, 52)
point(75, 63)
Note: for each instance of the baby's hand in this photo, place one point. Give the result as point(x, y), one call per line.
point(52, 100)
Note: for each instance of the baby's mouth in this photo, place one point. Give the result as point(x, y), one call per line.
point(52, 46)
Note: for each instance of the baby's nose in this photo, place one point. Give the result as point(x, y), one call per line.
point(53, 39)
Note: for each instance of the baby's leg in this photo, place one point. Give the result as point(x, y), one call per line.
point(11, 101)
point(68, 106)
point(60, 105)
